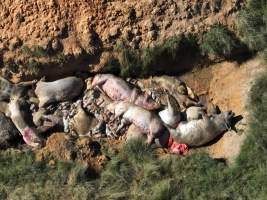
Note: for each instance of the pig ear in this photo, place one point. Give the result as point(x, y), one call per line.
point(218, 110)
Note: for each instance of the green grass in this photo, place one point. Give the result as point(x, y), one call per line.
point(22, 177)
point(152, 61)
point(175, 54)
point(36, 51)
point(39, 57)
point(11, 66)
point(265, 55)
point(219, 41)
point(59, 58)
point(136, 173)
point(176, 48)
point(129, 62)
point(252, 24)
point(34, 66)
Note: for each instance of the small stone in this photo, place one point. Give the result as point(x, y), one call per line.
point(174, 9)
point(139, 14)
point(114, 31)
point(132, 14)
point(138, 39)
point(134, 44)
point(150, 25)
point(56, 46)
point(136, 31)
point(153, 3)
point(216, 5)
point(51, 163)
point(157, 11)
point(152, 35)
point(128, 35)
point(167, 24)
point(14, 43)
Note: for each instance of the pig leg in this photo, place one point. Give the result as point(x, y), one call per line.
point(27, 83)
point(122, 125)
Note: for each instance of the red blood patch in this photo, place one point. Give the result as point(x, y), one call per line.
point(177, 148)
point(27, 135)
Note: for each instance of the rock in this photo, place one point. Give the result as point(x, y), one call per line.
point(216, 5)
point(136, 31)
point(127, 34)
point(205, 8)
point(114, 31)
point(8, 132)
point(152, 35)
point(14, 43)
point(132, 14)
point(52, 163)
point(157, 11)
point(150, 25)
point(83, 28)
point(56, 45)
point(139, 13)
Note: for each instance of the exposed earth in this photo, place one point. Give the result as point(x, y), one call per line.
point(78, 33)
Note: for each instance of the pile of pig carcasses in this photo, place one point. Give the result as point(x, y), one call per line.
point(159, 108)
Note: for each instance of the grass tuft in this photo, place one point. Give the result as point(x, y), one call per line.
point(34, 66)
point(152, 61)
point(11, 66)
point(252, 24)
point(219, 41)
point(265, 55)
point(36, 51)
point(22, 177)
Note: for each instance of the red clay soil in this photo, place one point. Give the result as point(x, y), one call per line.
point(60, 146)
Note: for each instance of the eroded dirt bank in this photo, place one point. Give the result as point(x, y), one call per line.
point(44, 34)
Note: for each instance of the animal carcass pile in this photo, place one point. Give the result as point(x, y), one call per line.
point(162, 110)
